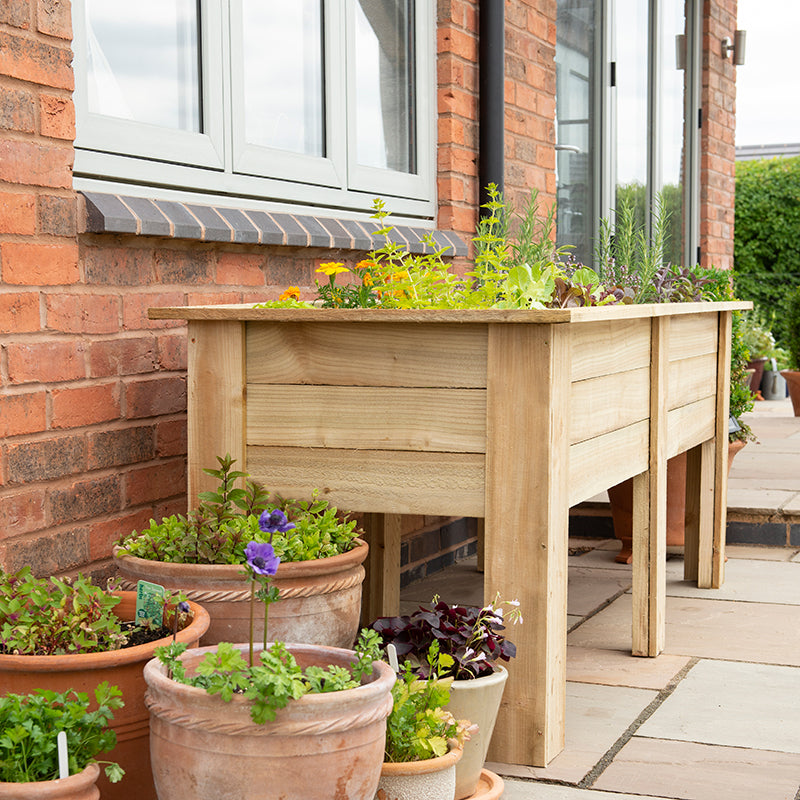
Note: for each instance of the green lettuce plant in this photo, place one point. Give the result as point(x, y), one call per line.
point(29, 724)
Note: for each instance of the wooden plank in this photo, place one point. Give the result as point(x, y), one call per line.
point(693, 336)
point(381, 481)
point(367, 354)
point(600, 405)
point(607, 460)
point(691, 379)
point(650, 512)
point(717, 572)
point(606, 348)
point(689, 425)
point(367, 418)
point(381, 596)
point(699, 523)
point(215, 400)
point(526, 530)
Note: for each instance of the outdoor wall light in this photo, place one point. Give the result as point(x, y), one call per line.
point(737, 47)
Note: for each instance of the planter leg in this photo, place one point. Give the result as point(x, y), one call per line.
point(699, 511)
point(381, 597)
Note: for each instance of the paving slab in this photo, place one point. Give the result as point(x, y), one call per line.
point(759, 632)
point(744, 496)
point(732, 704)
point(601, 558)
point(759, 552)
point(747, 580)
point(588, 589)
point(700, 772)
point(596, 717)
point(533, 790)
point(618, 668)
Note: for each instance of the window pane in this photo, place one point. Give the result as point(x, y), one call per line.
point(143, 61)
point(283, 85)
point(385, 85)
point(575, 145)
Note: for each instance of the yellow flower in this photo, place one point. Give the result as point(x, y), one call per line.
point(292, 293)
point(332, 268)
point(401, 276)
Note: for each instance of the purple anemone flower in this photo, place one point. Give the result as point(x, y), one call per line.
point(184, 607)
point(261, 558)
point(274, 521)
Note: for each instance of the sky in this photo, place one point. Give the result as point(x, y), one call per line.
point(768, 84)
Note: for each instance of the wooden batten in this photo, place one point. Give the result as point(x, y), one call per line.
point(608, 347)
point(367, 418)
point(691, 379)
point(689, 425)
point(692, 336)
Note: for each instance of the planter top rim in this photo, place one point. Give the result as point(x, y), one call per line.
point(246, 312)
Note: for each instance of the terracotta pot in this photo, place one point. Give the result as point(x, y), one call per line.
point(318, 747)
point(477, 700)
point(320, 600)
point(793, 382)
point(621, 500)
point(432, 779)
point(81, 786)
point(83, 671)
point(757, 365)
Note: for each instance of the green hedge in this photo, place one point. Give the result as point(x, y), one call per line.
point(767, 235)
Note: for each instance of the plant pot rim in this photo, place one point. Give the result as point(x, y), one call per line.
point(380, 682)
point(55, 788)
point(449, 759)
point(498, 671)
point(126, 655)
point(233, 572)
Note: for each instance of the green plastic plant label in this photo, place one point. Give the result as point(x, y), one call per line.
point(149, 604)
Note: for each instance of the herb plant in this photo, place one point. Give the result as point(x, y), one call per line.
point(29, 724)
point(227, 519)
point(47, 616)
point(273, 682)
point(472, 638)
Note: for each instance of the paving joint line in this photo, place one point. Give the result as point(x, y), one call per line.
point(594, 773)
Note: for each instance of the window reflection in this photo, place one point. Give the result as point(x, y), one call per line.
point(143, 61)
point(385, 85)
point(283, 84)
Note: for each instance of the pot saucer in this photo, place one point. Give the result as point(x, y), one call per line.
point(490, 786)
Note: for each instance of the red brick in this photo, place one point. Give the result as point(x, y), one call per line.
point(175, 505)
point(134, 310)
point(21, 512)
point(184, 266)
point(212, 298)
point(18, 15)
point(154, 398)
point(22, 413)
point(19, 313)
point(172, 352)
point(120, 446)
point(83, 499)
point(85, 405)
point(104, 535)
point(154, 483)
point(240, 269)
point(58, 215)
point(17, 110)
point(26, 263)
point(33, 164)
point(122, 357)
point(119, 266)
point(171, 438)
point(48, 554)
point(54, 18)
point(56, 117)
point(36, 61)
point(46, 459)
point(75, 313)
point(17, 213)
point(46, 362)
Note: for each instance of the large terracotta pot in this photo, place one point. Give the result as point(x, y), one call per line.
point(477, 700)
point(320, 600)
point(81, 786)
point(757, 365)
point(83, 671)
point(318, 747)
point(793, 382)
point(432, 779)
point(621, 501)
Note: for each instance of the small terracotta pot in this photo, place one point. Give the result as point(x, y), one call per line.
point(81, 786)
point(477, 700)
point(320, 600)
point(432, 779)
point(793, 382)
point(123, 668)
point(318, 747)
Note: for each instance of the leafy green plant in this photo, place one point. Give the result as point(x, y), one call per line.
point(227, 519)
point(419, 726)
point(757, 334)
point(29, 724)
point(793, 328)
point(47, 616)
point(273, 682)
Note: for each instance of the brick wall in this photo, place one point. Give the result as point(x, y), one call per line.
point(717, 137)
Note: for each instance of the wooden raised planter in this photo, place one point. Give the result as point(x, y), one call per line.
point(513, 416)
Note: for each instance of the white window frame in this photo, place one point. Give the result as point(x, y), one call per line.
point(218, 166)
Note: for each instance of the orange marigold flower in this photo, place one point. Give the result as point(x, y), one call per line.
point(366, 264)
point(292, 293)
point(367, 279)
